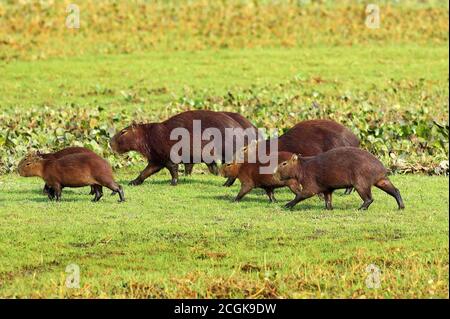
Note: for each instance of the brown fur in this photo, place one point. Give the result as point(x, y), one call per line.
point(250, 177)
point(62, 153)
point(74, 170)
point(341, 167)
point(153, 140)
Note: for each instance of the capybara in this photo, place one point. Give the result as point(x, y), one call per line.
point(74, 170)
point(153, 141)
point(250, 176)
point(338, 168)
point(312, 137)
point(62, 153)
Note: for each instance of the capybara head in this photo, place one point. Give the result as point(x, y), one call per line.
point(127, 139)
point(31, 165)
point(230, 170)
point(287, 169)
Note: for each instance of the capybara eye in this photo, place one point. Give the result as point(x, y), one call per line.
point(284, 164)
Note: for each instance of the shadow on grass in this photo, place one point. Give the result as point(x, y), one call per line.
point(263, 199)
point(166, 182)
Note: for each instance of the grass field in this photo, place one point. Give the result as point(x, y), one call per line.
point(191, 241)
point(62, 87)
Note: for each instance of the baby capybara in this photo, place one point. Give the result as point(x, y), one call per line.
point(337, 168)
point(312, 137)
point(250, 176)
point(62, 153)
point(153, 141)
point(74, 170)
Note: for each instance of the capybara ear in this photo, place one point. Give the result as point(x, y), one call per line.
point(294, 157)
point(38, 153)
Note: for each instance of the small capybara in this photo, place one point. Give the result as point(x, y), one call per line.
point(312, 137)
point(153, 141)
point(62, 153)
point(337, 168)
point(250, 177)
point(74, 170)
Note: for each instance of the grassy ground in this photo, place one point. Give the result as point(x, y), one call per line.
point(191, 241)
point(157, 78)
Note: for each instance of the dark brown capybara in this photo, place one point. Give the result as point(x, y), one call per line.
point(62, 153)
point(251, 177)
point(245, 124)
point(74, 170)
point(338, 168)
point(153, 141)
point(312, 137)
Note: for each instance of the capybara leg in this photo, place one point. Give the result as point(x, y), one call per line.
point(245, 189)
point(386, 185)
point(151, 169)
point(188, 169)
point(98, 192)
point(295, 187)
point(298, 198)
point(50, 193)
point(271, 195)
point(328, 200)
point(46, 189)
point(213, 168)
point(92, 190)
point(116, 188)
point(58, 190)
point(173, 169)
point(230, 181)
point(366, 196)
point(348, 190)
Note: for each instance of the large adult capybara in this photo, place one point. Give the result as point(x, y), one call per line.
point(245, 124)
point(153, 141)
point(312, 137)
point(250, 176)
point(62, 153)
point(341, 167)
point(74, 170)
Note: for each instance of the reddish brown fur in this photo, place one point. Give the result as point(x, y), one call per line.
point(153, 140)
point(62, 153)
point(250, 177)
point(74, 170)
point(341, 167)
point(313, 137)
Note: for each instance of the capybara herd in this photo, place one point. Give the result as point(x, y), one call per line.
point(314, 157)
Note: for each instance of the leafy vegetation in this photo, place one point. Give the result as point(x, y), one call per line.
point(409, 138)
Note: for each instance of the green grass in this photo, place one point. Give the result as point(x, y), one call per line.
point(192, 241)
point(158, 77)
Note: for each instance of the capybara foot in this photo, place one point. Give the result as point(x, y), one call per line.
point(121, 194)
point(135, 182)
point(174, 182)
point(290, 205)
